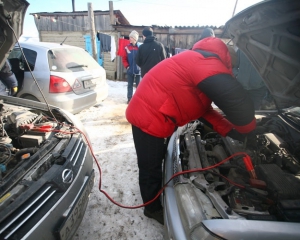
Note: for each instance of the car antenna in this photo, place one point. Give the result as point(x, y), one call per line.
point(63, 40)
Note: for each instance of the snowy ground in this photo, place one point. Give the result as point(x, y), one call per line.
point(112, 142)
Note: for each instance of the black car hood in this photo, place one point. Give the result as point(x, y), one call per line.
point(12, 13)
point(269, 34)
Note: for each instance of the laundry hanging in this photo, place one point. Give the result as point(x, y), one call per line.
point(107, 44)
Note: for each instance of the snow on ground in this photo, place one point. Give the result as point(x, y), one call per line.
point(112, 142)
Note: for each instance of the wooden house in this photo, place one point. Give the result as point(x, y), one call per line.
point(72, 27)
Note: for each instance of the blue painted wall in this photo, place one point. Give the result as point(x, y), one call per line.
point(88, 47)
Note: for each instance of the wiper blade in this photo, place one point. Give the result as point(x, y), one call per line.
point(77, 66)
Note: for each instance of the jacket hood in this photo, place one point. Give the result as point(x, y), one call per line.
point(216, 46)
point(268, 33)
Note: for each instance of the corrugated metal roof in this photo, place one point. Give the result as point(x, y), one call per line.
point(181, 27)
point(201, 27)
point(121, 19)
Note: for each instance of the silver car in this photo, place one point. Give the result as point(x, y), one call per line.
point(46, 163)
point(68, 76)
point(216, 194)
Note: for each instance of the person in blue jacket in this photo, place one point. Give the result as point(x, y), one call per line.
point(129, 62)
point(8, 80)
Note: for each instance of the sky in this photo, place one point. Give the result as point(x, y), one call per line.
point(147, 12)
point(112, 142)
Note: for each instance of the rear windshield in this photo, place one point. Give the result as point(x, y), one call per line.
point(70, 60)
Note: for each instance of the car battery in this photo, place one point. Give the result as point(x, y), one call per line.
point(33, 138)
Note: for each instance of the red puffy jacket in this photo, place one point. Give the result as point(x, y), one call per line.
point(169, 96)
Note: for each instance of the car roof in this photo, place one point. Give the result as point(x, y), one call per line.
point(44, 45)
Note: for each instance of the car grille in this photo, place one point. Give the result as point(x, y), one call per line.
point(26, 211)
point(40, 196)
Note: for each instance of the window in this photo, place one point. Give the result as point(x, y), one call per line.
point(29, 54)
point(31, 58)
point(70, 60)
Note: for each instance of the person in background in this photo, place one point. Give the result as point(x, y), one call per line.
point(207, 32)
point(129, 62)
point(8, 80)
point(176, 91)
point(150, 53)
point(250, 79)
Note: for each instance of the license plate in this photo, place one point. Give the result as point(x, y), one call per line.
point(89, 83)
point(74, 217)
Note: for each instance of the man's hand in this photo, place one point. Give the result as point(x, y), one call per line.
point(249, 138)
point(236, 135)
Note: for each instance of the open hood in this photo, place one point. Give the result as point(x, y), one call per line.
point(12, 13)
point(269, 34)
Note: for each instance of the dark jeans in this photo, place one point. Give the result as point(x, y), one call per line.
point(130, 80)
point(150, 152)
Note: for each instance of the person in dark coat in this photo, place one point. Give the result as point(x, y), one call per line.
point(150, 53)
point(8, 80)
point(129, 62)
point(176, 91)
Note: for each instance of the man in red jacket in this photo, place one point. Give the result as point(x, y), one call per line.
point(176, 91)
point(129, 62)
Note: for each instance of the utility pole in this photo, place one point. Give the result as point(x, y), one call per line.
point(92, 31)
point(111, 13)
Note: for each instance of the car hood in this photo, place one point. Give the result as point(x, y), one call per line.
point(269, 34)
point(12, 13)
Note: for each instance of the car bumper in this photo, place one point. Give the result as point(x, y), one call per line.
point(76, 103)
point(71, 102)
point(71, 212)
point(173, 225)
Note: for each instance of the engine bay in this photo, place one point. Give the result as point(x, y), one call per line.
point(26, 137)
point(270, 190)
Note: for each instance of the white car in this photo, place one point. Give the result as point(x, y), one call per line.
point(68, 76)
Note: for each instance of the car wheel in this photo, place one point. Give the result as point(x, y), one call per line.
point(30, 97)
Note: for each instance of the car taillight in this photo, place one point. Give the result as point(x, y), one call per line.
point(58, 85)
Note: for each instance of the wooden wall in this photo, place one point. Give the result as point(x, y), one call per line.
point(69, 38)
point(72, 22)
point(55, 27)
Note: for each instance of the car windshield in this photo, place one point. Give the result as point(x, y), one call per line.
point(70, 60)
